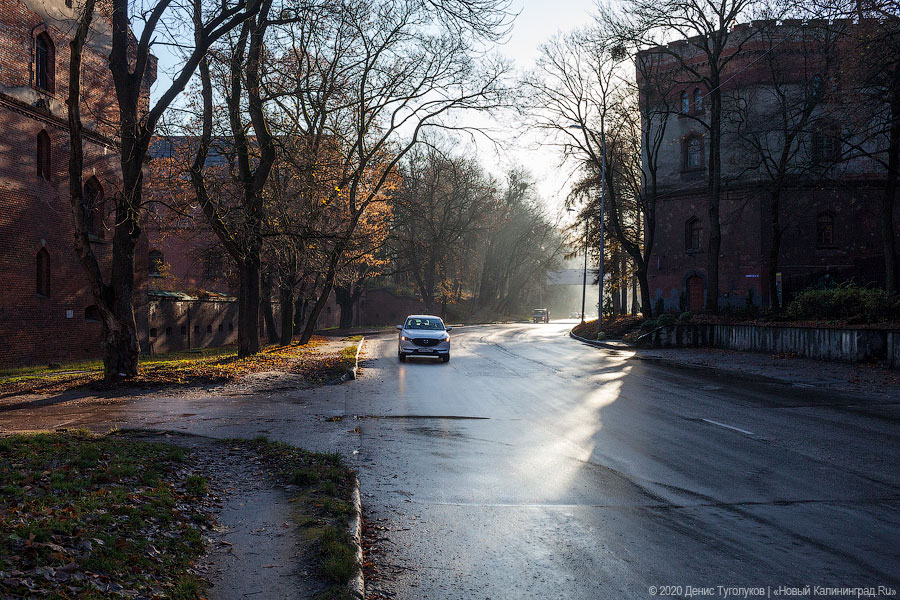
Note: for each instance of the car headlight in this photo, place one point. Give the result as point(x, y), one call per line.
point(404, 338)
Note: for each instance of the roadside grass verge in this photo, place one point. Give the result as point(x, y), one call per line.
point(323, 489)
point(335, 364)
point(613, 327)
point(85, 516)
point(186, 368)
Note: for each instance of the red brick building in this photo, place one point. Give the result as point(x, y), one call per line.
point(829, 209)
point(46, 308)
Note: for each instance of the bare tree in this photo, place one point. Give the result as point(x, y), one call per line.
point(443, 203)
point(133, 68)
point(523, 244)
point(870, 89)
point(584, 90)
point(241, 231)
point(381, 74)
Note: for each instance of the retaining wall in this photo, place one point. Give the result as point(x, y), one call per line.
point(844, 345)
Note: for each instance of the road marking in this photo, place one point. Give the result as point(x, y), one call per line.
point(728, 426)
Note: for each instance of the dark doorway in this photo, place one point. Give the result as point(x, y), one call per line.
point(695, 293)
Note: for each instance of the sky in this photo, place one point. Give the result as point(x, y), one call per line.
point(537, 21)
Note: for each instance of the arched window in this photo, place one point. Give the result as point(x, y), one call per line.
point(685, 103)
point(42, 276)
point(698, 101)
point(92, 202)
point(826, 143)
point(692, 153)
point(825, 230)
point(693, 234)
point(92, 314)
point(155, 263)
point(44, 62)
point(43, 155)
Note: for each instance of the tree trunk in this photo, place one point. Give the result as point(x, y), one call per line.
point(428, 289)
point(887, 202)
point(248, 307)
point(300, 312)
point(114, 300)
point(322, 299)
point(286, 300)
point(615, 301)
point(345, 301)
point(120, 336)
point(715, 192)
point(775, 250)
point(646, 301)
point(267, 311)
point(634, 296)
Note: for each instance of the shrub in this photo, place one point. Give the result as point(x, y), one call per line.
point(648, 325)
point(845, 301)
point(666, 319)
point(685, 317)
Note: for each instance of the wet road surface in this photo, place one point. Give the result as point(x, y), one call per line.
point(532, 466)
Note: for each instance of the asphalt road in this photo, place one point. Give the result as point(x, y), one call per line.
point(532, 466)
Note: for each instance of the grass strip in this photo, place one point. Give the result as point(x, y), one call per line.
point(86, 516)
point(197, 367)
point(324, 505)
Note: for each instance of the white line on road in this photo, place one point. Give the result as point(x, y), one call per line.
point(728, 426)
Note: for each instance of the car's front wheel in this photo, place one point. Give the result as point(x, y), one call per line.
point(445, 358)
point(401, 356)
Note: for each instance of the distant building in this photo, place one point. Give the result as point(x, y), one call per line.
point(47, 313)
point(830, 206)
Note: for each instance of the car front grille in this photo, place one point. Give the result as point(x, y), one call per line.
point(426, 342)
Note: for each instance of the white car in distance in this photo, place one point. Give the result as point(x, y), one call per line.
point(424, 335)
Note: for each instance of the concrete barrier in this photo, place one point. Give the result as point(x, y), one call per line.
point(843, 345)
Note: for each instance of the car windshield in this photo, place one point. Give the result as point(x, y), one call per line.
point(540, 311)
point(417, 323)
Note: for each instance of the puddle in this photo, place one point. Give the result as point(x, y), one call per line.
point(339, 418)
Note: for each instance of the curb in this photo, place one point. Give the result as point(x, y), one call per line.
point(357, 585)
point(351, 373)
point(599, 344)
point(677, 364)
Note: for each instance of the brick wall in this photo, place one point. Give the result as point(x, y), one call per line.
point(856, 252)
point(35, 213)
point(850, 194)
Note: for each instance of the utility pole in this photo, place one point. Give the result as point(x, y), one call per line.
point(602, 227)
point(587, 224)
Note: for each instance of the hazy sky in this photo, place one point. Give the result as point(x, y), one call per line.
point(538, 20)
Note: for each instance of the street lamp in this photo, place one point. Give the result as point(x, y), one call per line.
point(602, 225)
point(587, 223)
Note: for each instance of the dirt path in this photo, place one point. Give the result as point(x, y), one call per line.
point(256, 550)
